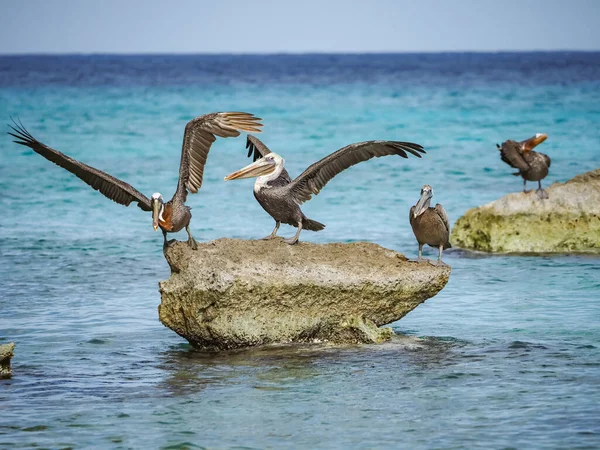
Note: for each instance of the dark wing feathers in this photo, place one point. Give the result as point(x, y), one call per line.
point(113, 188)
point(439, 209)
point(199, 135)
point(313, 179)
point(510, 153)
point(547, 158)
point(257, 149)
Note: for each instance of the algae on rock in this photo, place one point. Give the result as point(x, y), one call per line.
point(233, 293)
point(568, 221)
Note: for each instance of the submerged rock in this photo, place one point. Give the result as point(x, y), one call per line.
point(233, 293)
point(6, 353)
point(568, 221)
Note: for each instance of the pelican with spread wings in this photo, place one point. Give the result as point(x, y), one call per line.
point(281, 196)
point(173, 215)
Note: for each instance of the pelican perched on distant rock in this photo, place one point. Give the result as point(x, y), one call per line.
point(533, 166)
point(281, 196)
point(174, 215)
point(430, 225)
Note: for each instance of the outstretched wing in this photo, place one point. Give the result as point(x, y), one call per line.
point(313, 179)
point(113, 188)
point(257, 149)
point(199, 135)
point(510, 152)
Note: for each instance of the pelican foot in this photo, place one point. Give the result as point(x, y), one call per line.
point(291, 241)
point(267, 238)
point(542, 194)
point(525, 191)
point(192, 243)
point(422, 260)
point(440, 263)
point(168, 243)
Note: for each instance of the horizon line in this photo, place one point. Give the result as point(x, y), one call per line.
point(293, 53)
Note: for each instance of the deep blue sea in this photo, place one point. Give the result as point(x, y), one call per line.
point(506, 356)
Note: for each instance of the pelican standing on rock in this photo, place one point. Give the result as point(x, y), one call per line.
point(281, 196)
point(430, 225)
point(174, 215)
point(533, 166)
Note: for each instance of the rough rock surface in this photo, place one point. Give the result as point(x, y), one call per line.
point(569, 221)
point(233, 293)
point(6, 353)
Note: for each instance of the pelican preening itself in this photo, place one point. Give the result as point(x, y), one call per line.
point(173, 215)
point(532, 166)
point(281, 196)
point(430, 225)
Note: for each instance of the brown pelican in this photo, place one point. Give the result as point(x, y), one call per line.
point(430, 225)
point(533, 166)
point(172, 216)
point(281, 196)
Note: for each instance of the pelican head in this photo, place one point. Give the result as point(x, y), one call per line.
point(423, 203)
point(157, 209)
point(529, 144)
point(269, 166)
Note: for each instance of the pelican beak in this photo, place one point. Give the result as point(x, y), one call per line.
point(156, 205)
point(533, 142)
point(422, 204)
point(256, 169)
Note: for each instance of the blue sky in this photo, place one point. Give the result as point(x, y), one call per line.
point(269, 26)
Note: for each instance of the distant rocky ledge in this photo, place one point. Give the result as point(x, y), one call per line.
point(233, 293)
point(6, 353)
point(569, 221)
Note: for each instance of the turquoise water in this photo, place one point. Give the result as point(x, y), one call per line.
point(506, 356)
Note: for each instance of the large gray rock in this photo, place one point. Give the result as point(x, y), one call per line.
point(568, 221)
point(232, 293)
point(6, 353)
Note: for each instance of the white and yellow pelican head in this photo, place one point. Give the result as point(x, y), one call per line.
point(267, 168)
